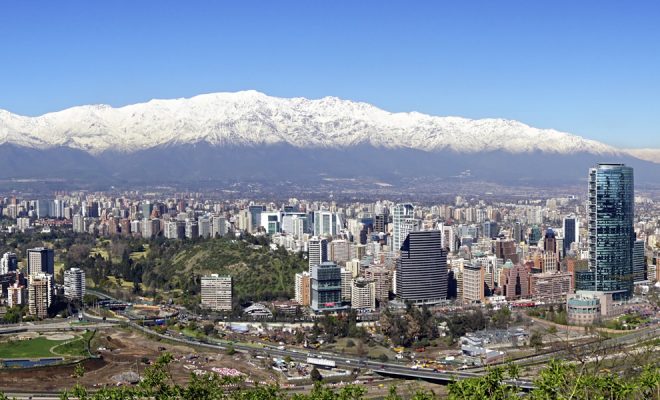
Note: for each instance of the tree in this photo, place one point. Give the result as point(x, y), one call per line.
point(315, 375)
point(536, 340)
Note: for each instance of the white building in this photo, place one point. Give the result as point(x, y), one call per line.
point(219, 226)
point(317, 252)
point(204, 227)
point(363, 294)
point(403, 222)
point(8, 263)
point(217, 292)
point(346, 281)
point(74, 284)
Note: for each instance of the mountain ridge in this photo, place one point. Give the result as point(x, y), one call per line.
point(253, 118)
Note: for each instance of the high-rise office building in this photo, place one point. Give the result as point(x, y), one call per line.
point(74, 284)
point(534, 235)
point(491, 229)
point(317, 252)
point(254, 217)
point(571, 229)
point(40, 260)
point(326, 287)
point(79, 223)
point(219, 226)
point(326, 223)
point(402, 223)
point(204, 224)
point(192, 229)
point(639, 262)
point(8, 263)
point(550, 241)
point(421, 270)
point(216, 292)
point(610, 211)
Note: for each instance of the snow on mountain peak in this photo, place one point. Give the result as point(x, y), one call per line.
point(251, 117)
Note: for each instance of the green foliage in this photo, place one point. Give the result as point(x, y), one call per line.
point(315, 375)
point(414, 326)
point(258, 273)
point(559, 380)
point(13, 315)
point(536, 340)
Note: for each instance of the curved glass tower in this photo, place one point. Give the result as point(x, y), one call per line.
point(611, 233)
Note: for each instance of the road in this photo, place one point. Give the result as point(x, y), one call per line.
point(52, 326)
point(384, 368)
point(627, 339)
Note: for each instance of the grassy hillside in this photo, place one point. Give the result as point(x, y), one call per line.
point(258, 272)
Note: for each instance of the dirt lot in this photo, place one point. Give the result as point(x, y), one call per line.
point(124, 351)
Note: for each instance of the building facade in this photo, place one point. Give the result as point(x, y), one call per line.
point(74, 284)
point(610, 211)
point(217, 292)
point(40, 294)
point(326, 287)
point(40, 260)
point(421, 270)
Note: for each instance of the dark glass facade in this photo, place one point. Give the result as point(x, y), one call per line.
point(611, 234)
point(421, 270)
point(326, 287)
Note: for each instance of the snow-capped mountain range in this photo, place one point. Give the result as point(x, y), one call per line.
point(252, 118)
point(248, 136)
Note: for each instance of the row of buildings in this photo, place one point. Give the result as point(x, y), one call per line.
point(34, 286)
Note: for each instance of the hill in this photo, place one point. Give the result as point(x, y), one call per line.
point(258, 272)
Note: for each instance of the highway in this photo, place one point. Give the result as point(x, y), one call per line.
point(627, 339)
point(383, 368)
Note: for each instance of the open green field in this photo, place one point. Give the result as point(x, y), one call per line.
point(40, 347)
point(33, 348)
point(76, 347)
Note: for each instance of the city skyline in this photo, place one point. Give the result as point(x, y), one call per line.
point(559, 66)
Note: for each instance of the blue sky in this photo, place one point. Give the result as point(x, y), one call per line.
point(586, 67)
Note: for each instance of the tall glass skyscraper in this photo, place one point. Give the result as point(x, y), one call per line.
point(611, 234)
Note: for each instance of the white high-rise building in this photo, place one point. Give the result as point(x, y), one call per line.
point(403, 223)
point(171, 229)
point(204, 227)
point(219, 226)
point(346, 282)
point(363, 294)
point(326, 223)
point(23, 223)
point(217, 292)
point(8, 263)
point(74, 284)
point(317, 252)
point(79, 223)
